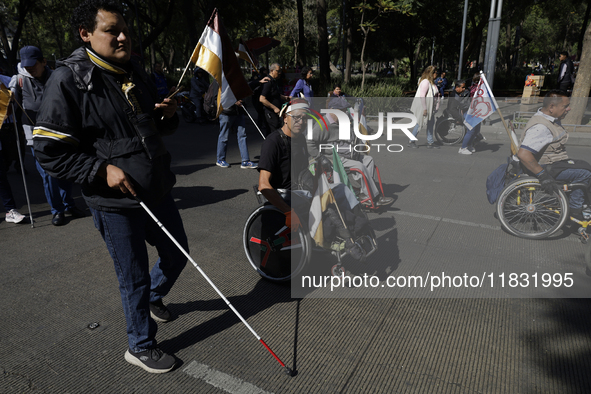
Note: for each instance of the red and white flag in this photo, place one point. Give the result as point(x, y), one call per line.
point(215, 54)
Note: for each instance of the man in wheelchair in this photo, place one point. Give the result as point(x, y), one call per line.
point(349, 158)
point(284, 152)
point(542, 151)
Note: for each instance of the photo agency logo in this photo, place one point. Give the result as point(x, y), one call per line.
point(356, 138)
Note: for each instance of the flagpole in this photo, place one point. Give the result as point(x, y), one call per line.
point(513, 147)
point(181, 78)
point(22, 163)
point(253, 122)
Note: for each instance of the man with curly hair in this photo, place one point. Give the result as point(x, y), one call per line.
point(100, 125)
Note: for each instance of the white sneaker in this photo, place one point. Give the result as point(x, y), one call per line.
point(464, 151)
point(13, 216)
point(471, 149)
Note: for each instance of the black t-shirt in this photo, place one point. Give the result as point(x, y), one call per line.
point(272, 93)
point(277, 155)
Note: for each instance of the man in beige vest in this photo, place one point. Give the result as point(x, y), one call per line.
point(542, 151)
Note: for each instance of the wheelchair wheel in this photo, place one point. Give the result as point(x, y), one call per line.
point(526, 211)
point(448, 132)
point(272, 249)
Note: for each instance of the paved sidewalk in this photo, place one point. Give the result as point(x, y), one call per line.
point(59, 280)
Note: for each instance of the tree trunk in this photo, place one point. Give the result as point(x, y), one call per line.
point(349, 51)
point(322, 41)
point(583, 27)
point(302, 61)
point(582, 84)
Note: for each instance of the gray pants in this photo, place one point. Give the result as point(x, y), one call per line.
point(368, 167)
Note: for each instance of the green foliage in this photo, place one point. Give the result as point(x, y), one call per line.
point(374, 86)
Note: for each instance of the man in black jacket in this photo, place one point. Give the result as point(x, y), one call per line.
point(566, 71)
point(100, 125)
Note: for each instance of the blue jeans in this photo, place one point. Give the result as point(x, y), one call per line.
point(430, 124)
point(226, 123)
point(5, 190)
point(577, 196)
point(470, 134)
point(57, 191)
point(126, 233)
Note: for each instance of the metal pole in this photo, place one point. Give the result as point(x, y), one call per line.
point(463, 39)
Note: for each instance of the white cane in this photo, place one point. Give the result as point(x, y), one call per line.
point(253, 122)
point(22, 163)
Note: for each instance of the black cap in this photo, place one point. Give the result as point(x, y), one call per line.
point(30, 55)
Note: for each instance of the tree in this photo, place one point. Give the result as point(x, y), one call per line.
point(582, 84)
point(323, 57)
point(369, 25)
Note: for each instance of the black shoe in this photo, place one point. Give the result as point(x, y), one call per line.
point(577, 213)
point(152, 360)
point(159, 312)
point(383, 201)
point(75, 212)
point(433, 146)
point(414, 145)
point(58, 219)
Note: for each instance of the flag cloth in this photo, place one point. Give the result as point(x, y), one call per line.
point(214, 54)
point(326, 194)
point(339, 173)
point(245, 54)
point(482, 105)
point(321, 200)
point(5, 95)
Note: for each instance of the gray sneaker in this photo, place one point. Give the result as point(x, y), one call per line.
point(151, 360)
point(13, 216)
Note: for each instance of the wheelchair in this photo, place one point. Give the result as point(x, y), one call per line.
point(367, 202)
point(526, 211)
point(448, 131)
point(279, 254)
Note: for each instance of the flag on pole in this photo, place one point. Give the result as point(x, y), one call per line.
point(214, 54)
point(482, 106)
point(245, 54)
point(326, 193)
point(322, 198)
point(5, 95)
point(338, 170)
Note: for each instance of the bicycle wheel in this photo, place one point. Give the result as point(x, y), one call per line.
point(526, 211)
point(448, 132)
point(272, 249)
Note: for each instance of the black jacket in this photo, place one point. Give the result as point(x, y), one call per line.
point(84, 121)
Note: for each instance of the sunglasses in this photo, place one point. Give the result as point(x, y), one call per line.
point(297, 119)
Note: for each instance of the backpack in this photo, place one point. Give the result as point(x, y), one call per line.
point(210, 100)
point(499, 178)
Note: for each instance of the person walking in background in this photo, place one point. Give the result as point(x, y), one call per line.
point(160, 80)
point(303, 85)
point(424, 106)
point(272, 98)
point(474, 136)
point(566, 71)
point(28, 87)
point(12, 215)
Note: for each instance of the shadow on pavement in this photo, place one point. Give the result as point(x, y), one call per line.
point(568, 324)
point(195, 196)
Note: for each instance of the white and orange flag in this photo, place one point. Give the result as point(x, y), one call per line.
point(5, 96)
point(215, 54)
point(244, 53)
